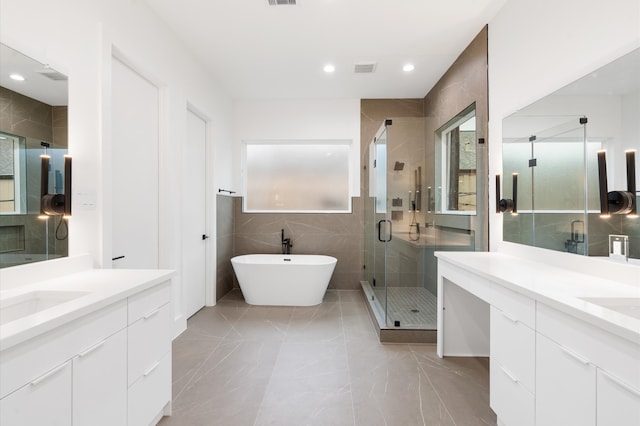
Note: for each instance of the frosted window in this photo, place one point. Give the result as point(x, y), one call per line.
point(297, 177)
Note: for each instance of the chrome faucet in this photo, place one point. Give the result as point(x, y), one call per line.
point(286, 243)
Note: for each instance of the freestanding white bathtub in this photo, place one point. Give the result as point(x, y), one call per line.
point(283, 280)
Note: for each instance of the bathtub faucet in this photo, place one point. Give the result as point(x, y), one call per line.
point(286, 243)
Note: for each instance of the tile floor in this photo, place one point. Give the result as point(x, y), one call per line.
point(238, 364)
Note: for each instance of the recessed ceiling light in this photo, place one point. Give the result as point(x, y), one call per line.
point(408, 68)
point(16, 77)
point(329, 68)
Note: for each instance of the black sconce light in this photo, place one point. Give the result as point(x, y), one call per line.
point(54, 204)
point(618, 202)
point(507, 205)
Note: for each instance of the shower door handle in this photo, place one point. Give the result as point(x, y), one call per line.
point(380, 230)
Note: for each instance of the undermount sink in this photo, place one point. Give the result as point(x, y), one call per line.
point(17, 307)
point(625, 305)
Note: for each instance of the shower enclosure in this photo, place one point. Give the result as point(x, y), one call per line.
point(409, 214)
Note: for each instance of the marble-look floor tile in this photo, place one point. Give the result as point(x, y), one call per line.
point(238, 365)
point(262, 323)
point(322, 323)
point(357, 323)
point(230, 384)
point(189, 355)
point(348, 296)
point(462, 382)
point(300, 360)
point(318, 400)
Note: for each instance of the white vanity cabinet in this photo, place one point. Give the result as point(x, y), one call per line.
point(29, 390)
point(617, 402)
point(94, 370)
point(584, 375)
point(554, 358)
point(566, 386)
point(45, 400)
point(149, 375)
point(99, 377)
point(512, 357)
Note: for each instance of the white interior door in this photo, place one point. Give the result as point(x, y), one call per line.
point(194, 236)
point(135, 132)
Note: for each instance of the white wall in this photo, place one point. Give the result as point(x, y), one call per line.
point(297, 120)
point(78, 38)
point(538, 47)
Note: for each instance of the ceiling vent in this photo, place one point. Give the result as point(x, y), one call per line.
point(282, 2)
point(53, 74)
point(364, 68)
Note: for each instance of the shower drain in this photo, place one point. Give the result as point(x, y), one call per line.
point(415, 311)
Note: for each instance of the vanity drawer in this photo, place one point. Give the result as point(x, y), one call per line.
point(516, 306)
point(44, 401)
point(513, 347)
point(513, 403)
point(26, 361)
point(149, 339)
point(150, 393)
point(143, 304)
point(617, 356)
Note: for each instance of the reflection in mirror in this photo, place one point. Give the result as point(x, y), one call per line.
point(553, 145)
point(456, 164)
point(34, 111)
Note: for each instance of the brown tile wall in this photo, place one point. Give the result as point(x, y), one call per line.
point(224, 244)
point(336, 234)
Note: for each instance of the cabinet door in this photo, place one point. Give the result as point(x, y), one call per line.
point(44, 401)
point(618, 403)
point(565, 386)
point(100, 383)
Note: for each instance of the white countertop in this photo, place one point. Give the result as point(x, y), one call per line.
point(103, 287)
point(557, 287)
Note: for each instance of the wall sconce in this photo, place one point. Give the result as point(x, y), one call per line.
point(54, 204)
point(618, 202)
point(507, 205)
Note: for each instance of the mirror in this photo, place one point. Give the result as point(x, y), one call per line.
point(33, 121)
point(552, 145)
point(456, 164)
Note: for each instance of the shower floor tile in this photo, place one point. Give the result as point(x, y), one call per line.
point(238, 364)
point(412, 306)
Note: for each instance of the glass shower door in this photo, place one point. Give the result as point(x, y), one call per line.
point(381, 224)
point(397, 248)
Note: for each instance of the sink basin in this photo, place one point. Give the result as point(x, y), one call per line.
point(625, 305)
point(17, 307)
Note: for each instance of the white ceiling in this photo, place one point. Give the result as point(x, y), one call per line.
point(36, 85)
point(257, 51)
